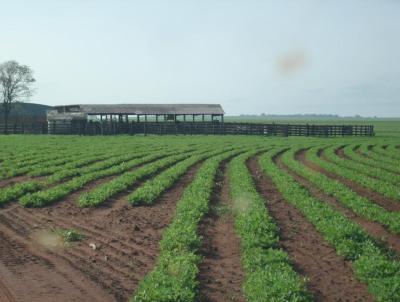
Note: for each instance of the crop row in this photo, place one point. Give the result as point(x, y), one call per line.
point(54, 153)
point(58, 192)
point(44, 166)
point(121, 183)
point(31, 159)
point(174, 276)
point(17, 190)
point(153, 188)
point(71, 163)
point(371, 264)
point(358, 204)
point(269, 274)
point(379, 160)
point(390, 151)
point(393, 150)
point(366, 166)
point(382, 187)
point(124, 159)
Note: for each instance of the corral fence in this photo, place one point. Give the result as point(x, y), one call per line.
point(25, 128)
point(189, 128)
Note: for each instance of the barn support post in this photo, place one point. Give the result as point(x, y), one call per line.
point(202, 118)
point(156, 118)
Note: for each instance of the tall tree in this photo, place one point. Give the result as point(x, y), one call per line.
point(15, 86)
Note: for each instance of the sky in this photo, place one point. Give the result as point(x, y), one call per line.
point(252, 57)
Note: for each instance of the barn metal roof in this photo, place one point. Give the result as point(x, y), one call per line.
point(150, 109)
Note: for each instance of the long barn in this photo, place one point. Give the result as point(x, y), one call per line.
point(61, 119)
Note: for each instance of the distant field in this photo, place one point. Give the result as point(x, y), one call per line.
point(383, 127)
point(200, 218)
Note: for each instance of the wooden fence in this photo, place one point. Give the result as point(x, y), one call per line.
point(25, 128)
point(188, 128)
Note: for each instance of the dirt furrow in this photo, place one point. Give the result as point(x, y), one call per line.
point(5, 294)
point(330, 277)
point(379, 199)
point(126, 237)
point(113, 241)
point(24, 267)
point(102, 257)
point(378, 231)
point(220, 273)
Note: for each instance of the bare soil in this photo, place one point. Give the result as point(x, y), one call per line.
point(124, 247)
point(221, 276)
point(330, 277)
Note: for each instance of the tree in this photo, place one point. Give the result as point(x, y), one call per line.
point(15, 86)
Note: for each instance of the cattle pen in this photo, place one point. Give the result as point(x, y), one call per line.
point(169, 119)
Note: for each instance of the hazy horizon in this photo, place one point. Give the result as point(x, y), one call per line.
point(252, 57)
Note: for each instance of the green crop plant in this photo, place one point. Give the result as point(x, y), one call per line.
point(269, 274)
point(371, 264)
point(174, 276)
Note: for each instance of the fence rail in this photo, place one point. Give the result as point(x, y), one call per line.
point(25, 128)
point(187, 128)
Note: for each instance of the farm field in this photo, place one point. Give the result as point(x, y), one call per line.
point(199, 218)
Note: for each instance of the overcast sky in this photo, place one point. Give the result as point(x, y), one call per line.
point(277, 57)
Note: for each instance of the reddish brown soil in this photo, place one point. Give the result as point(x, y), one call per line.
point(5, 294)
point(379, 199)
point(126, 240)
point(221, 275)
point(340, 152)
point(330, 277)
point(379, 232)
